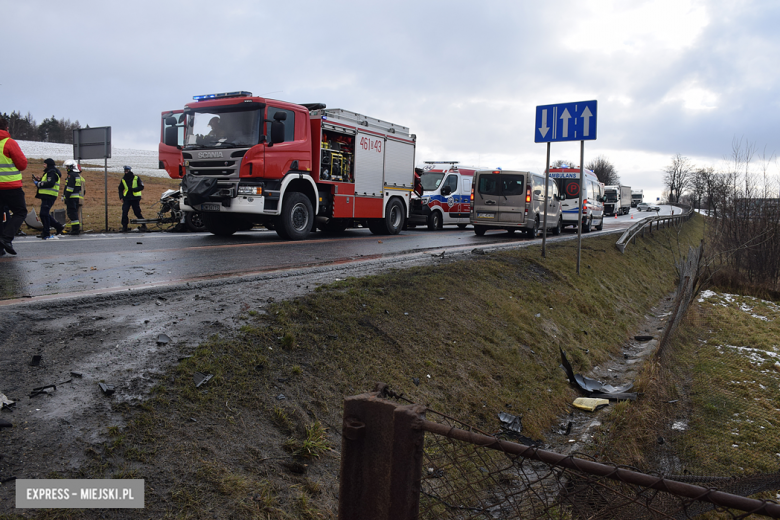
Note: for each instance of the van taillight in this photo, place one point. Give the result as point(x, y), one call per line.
point(528, 194)
point(471, 200)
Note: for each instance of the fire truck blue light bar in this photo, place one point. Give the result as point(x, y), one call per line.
point(222, 95)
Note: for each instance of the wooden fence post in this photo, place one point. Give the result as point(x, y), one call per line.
point(381, 459)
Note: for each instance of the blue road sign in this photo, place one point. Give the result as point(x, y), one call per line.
point(566, 122)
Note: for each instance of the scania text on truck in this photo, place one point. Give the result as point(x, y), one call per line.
point(248, 160)
point(568, 180)
point(446, 188)
point(637, 197)
point(617, 200)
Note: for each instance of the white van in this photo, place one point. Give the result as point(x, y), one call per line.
point(568, 181)
point(513, 200)
point(445, 195)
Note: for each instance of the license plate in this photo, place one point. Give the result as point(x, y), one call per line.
point(486, 215)
point(209, 207)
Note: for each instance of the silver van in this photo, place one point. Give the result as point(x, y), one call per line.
point(513, 200)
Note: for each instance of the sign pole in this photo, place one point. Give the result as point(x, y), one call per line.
point(105, 186)
point(546, 203)
point(579, 213)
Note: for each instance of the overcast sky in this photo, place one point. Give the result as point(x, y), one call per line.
point(676, 76)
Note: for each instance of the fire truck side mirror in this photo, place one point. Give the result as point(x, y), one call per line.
point(171, 136)
point(277, 130)
point(170, 121)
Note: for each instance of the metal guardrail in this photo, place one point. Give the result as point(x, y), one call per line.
point(647, 223)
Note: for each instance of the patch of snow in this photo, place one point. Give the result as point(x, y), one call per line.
point(143, 162)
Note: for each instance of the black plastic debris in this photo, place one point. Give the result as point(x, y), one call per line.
point(163, 339)
point(478, 251)
point(76, 374)
point(201, 378)
point(592, 386)
point(510, 422)
point(106, 388)
point(36, 360)
point(42, 390)
point(5, 424)
point(416, 381)
point(643, 338)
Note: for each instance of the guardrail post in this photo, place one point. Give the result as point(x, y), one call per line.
point(381, 459)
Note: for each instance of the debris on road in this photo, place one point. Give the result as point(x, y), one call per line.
point(76, 374)
point(590, 404)
point(36, 360)
point(106, 388)
point(5, 424)
point(201, 378)
point(163, 339)
point(5, 402)
point(42, 390)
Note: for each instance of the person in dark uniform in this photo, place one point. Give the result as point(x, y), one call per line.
point(73, 195)
point(130, 188)
point(48, 191)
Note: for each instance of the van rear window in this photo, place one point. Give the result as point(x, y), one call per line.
point(491, 184)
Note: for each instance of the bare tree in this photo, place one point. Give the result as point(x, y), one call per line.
point(700, 181)
point(677, 177)
point(560, 163)
point(604, 170)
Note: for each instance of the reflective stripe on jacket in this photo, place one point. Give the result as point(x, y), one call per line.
point(54, 190)
point(73, 189)
point(8, 171)
point(136, 193)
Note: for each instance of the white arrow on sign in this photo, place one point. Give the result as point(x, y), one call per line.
point(565, 116)
point(544, 127)
point(586, 115)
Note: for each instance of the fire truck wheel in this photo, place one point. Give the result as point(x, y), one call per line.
point(297, 216)
point(220, 225)
point(557, 229)
point(194, 221)
point(434, 221)
point(394, 218)
point(479, 230)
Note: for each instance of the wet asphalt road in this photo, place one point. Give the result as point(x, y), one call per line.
point(95, 263)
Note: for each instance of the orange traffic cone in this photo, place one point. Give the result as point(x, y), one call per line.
point(615, 215)
point(632, 215)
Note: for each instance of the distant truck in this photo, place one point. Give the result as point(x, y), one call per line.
point(446, 188)
point(247, 160)
point(637, 197)
point(617, 200)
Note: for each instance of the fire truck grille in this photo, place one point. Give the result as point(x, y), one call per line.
point(220, 167)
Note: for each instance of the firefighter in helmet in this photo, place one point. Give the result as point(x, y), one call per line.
point(73, 195)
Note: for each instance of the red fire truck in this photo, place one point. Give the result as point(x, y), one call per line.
point(247, 160)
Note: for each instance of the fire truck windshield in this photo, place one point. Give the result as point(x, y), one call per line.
point(219, 129)
point(431, 180)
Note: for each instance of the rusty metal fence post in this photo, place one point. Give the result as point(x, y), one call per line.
point(381, 459)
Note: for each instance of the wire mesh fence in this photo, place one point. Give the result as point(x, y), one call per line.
point(503, 480)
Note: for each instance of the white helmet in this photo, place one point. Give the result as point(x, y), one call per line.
point(72, 166)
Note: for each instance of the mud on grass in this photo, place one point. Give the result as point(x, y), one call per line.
point(470, 338)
